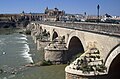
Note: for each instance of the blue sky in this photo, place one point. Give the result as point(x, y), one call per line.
point(70, 6)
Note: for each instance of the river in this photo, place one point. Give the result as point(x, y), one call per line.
point(17, 50)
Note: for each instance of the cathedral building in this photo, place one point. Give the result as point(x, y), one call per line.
point(53, 14)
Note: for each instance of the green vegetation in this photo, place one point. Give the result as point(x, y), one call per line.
point(87, 69)
point(28, 32)
point(1, 71)
point(46, 63)
point(74, 57)
point(88, 63)
point(43, 36)
point(101, 68)
point(97, 56)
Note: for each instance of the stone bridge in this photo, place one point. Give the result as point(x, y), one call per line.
point(99, 45)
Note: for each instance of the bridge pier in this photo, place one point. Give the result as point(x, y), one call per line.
point(55, 56)
point(88, 66)
point(41, 44)
point(56, 51)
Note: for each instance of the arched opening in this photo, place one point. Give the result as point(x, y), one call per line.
point(114, 70)
point(55, 35)
point(75, 47)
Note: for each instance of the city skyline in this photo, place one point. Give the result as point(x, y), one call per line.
point(73, 7)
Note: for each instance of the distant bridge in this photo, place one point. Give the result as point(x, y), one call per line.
point(5, 24)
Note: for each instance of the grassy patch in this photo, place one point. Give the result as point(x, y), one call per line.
point(46, 63)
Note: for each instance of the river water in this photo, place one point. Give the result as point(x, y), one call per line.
point(17, 50)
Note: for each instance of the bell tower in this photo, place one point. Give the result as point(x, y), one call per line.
point(46, 10)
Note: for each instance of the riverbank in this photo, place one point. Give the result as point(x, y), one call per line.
point(6, 31)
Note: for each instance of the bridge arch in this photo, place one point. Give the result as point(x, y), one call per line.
point(54, 35)
point(74, 46)
point(112, 61)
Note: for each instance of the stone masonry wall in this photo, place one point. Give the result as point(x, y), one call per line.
point(56, 57)
point(74, 76)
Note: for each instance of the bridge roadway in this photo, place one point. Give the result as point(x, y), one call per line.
point(105, 37)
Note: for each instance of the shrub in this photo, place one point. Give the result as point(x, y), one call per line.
point(1, 71)
point(98, 56)
point(28, 32)
point(46, 63)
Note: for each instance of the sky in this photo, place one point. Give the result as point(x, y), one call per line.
point(111, 7)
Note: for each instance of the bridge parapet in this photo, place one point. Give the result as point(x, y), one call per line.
point(104, 28)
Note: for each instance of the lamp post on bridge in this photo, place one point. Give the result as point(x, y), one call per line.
point(98, 8)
